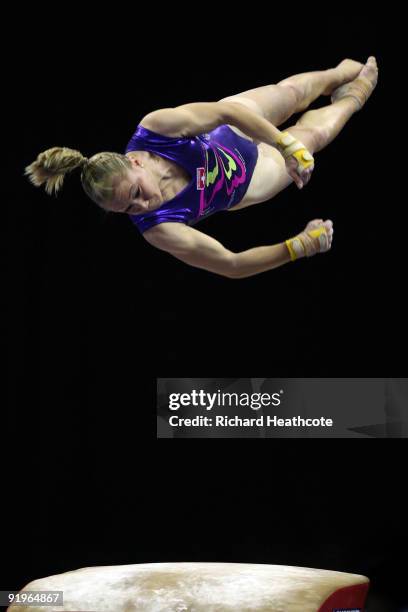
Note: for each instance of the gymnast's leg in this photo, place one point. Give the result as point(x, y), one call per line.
point(294, 94)
point(317, 128)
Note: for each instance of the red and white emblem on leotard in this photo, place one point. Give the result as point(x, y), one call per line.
point(200, 178)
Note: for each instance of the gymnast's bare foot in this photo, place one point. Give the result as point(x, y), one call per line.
point(344, 72)
point(361, 88)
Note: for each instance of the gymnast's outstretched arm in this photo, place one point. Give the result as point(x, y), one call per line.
point(202, 251)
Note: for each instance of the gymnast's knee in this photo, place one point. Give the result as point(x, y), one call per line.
point(296, 91)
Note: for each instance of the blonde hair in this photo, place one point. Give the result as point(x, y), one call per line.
point(98, 177)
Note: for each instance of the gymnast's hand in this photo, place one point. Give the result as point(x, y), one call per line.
point(313, 242)
point(317, 237)
point(300, 175)
point(299, 161)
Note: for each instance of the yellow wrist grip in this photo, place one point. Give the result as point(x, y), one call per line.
point(295, 248)
point(299, 246)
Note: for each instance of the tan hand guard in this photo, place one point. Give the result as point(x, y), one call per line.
point(288, 145)
point(308, 243)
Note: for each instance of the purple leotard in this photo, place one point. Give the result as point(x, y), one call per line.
point(220, 164)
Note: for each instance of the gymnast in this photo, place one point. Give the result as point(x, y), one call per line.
point(183, 164)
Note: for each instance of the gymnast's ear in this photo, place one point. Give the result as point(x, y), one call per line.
point(135, 161)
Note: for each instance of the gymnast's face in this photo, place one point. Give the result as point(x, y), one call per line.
point(138, 192)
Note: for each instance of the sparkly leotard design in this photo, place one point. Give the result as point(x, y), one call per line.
point(221, 165)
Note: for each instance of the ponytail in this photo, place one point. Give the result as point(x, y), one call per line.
point(52, 165)
point(98, 173)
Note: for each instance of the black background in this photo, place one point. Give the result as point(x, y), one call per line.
point(98, 313)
